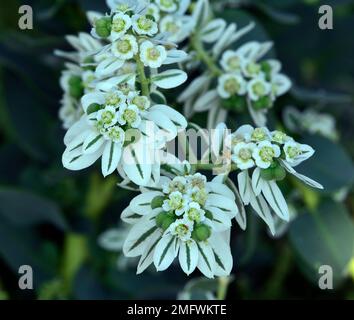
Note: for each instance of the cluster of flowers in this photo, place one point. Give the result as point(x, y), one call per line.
point(250, 79)
point(117, 117)
point(233, 80)
point(263, 158)
point(183, 216)
point(311, 121)
point(121, 117)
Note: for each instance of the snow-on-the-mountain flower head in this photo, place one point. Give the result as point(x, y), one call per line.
point(125, 129)
point(183, 215)
point(263, 158)
point(132, 30)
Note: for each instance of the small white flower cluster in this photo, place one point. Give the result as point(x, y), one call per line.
point(114, 111)
point(108, 105)
point(245, 75)
point(244, 80)
point(78, 77)
point(311, 121)
point(184, 216)
point(270, 155)
point(133, 32)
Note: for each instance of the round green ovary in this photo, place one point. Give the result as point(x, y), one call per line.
point(201, 232)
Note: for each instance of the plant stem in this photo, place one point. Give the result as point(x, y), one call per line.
point(222, 287)
point(142, 76)
point(211, 166)
point(203, 55)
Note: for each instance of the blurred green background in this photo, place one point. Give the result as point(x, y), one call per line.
point(51, 218)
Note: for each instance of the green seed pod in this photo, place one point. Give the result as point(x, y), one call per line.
point(75, 87)
point(93, 107)
point(167, 222)
point(279, 173)
point(267, 69)
point(201, 232)
point(267, 174)
point(157, 202)
point(159, 219)
point(164, 219)
point(103, 27)
point(235, 103)
point(263, 103)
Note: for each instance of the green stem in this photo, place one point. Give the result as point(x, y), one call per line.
point(142, 76)
point(211, 166)
point(203, 55)
point(222, 287)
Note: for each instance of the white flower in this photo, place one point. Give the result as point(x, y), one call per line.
point(295, 153)
point(144, 25)
point(154, 11)
point(242, 155)
point(107, 117)
point(142, 102)
point(258, 88)
point(152, 55)
point(265, 153)
point(176, 202)
point(167, 5)
point(69, 111)
point(177, 184)
point(114, 98)
point(231, 61)
point(259, 134)
point(230, 85)
point(251, 69)
point(97, 134)
point(129, 115)
point(115, 134)
point(279, 137)
point(194, 212)
point(125, 48)
point(182, 229)
point(120, 24)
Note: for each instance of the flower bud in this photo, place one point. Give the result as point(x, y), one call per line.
point(279, 173)
point(103, 27)
point(274, 172)
point(164, 219)
point(157, 202)
point(201, 232)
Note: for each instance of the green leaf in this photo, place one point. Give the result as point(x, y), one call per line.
point(330, 165)
point(325, 237)
point(22, 208)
